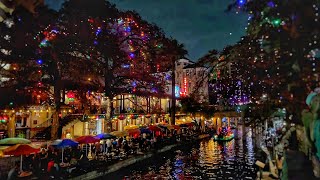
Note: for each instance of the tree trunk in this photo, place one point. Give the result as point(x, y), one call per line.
point(109, 94)
point(12, 125)
point(109, 114)
point(55, 118)
point(57, 97)
point(173, 96)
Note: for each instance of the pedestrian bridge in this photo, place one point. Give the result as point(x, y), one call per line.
point(227, 117)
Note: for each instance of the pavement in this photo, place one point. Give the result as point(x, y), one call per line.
point(298, 166)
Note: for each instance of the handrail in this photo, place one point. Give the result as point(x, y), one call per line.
point(45, 124)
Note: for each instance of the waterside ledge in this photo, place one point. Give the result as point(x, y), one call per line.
point(122, 164)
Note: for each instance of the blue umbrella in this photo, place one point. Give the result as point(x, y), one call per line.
point(64, 143)
point(105, 136)
point(144, 130)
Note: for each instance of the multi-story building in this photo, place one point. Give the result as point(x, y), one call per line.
point(128, 109)
point(191, 80)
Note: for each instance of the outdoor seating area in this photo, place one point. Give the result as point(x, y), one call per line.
point(64, 158)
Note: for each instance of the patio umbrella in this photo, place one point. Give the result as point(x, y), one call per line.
point(19, 150)
point(144, 130)
point(133, 132)
point(119, 133)
point(62, 143)
point(13, 141)
point(191, 124)
point(105, 136)
point(176, 127)
point(87, 140)
point(154, 128)
point(131, 127)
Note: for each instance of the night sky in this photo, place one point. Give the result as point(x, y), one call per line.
point(201, 25)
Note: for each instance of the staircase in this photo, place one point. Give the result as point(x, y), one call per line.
point(44, 130)
point(68, 124)
point(45, 134)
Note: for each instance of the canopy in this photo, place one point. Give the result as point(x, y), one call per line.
point(154, 128)
point(21, 149)
point(133, 132)
point(176, 127)
point(131, 127)
point(119, 133)
point(144, 130)
point(14, 141)
point(105, 136)
point(87, 139)
point(62, 143)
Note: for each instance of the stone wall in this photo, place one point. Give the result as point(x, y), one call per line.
point(6, 164)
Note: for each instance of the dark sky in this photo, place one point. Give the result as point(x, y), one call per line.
point(201, 25)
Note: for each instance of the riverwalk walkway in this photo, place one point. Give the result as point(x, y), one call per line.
point(298, 166)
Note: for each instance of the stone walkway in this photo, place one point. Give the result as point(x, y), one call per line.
point(299, 167)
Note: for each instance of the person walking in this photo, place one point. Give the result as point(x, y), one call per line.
point(279, 162)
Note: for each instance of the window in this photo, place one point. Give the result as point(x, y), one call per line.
point(35, 121)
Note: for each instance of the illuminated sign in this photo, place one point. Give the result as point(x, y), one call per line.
point(177, 91)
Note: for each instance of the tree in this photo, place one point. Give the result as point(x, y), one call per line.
point(124, 51)
point(287, 34)
point(17, 58)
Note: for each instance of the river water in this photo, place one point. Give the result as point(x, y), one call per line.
point(204, 159)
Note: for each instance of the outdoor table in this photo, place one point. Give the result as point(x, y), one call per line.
point(25, 174)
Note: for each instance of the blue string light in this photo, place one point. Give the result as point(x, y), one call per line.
point(241, 2)
point(39, 61)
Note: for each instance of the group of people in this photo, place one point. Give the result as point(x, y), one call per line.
point(51, 163)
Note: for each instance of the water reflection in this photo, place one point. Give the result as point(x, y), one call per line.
point(203, 160)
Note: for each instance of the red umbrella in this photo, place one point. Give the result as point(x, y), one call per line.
point(133, 132)
point(154, 128)
point(87, 140)
point(176, 127)
point(190, 124)
point(19, 150)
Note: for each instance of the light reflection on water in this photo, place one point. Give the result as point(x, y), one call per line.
point(206, 159)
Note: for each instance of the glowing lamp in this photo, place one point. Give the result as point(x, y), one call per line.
point(276, 22)
point(121, 117)
point(71, 96)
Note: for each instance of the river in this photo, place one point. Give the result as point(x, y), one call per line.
point(205, 159)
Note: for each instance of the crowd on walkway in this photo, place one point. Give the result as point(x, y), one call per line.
point(57, 163)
